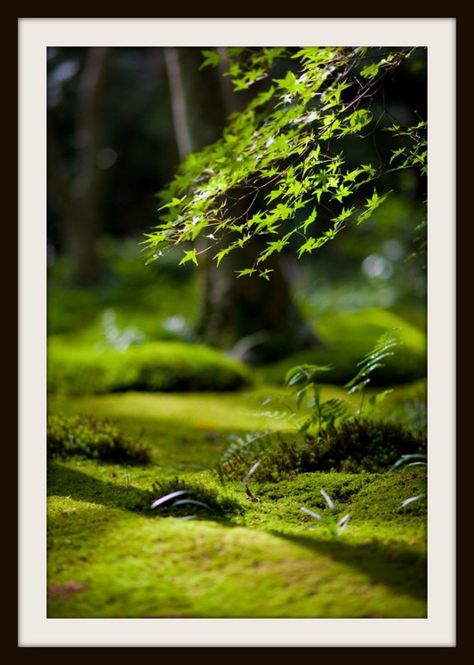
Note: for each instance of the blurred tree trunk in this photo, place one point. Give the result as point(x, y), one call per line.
point(79, 194)
point(255, 317)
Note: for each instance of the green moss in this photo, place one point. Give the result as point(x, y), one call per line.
point(194, 428)
point(353, 445)
point(110, 555)
point(364, 444)
point(92, 484)
point(106, 559)
point(369, 497)
point(154, 366)
point(88, 437)
point(381, 500)
point(203, 498)
point(371, 500)
point(348, 336)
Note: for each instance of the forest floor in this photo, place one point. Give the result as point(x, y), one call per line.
point(110, 555)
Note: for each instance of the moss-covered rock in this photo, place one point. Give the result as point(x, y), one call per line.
point(157, 366)
point(348, 336)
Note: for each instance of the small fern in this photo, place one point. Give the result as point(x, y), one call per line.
point(409, 460)
point(332, 410)
point(331, 521)
point(372, 361)
point(280, 416)
point(241, 451)
point(305, 382)
point(325, 433)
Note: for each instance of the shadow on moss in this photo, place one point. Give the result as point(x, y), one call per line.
point(399, 567)
point(199, 501)
point(80, 486)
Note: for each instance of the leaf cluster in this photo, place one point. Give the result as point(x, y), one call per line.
point(283, 150)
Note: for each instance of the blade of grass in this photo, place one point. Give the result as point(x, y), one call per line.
point(167, 497)
point(182, 502)
point(328, 499)
point(311, 513)
point(251, 472)
point(412, 499)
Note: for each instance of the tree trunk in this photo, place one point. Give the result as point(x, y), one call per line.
point(79, 196)
point(254, 317)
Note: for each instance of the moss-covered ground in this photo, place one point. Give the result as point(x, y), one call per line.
point(256, 554)
point(252, 556)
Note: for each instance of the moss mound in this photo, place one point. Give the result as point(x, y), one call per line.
point(367, 496)
point(86, 437)
point(348, 336)
point(352, 446)
point(368, 445)
point(382, 498)
point(157, 366)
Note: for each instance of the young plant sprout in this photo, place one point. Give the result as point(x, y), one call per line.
point(183, 502)
point(409, 460)
point(406, 461)
point(372, 361)
point(335, 526)
point(251, 472)
point(412, 499)
point(168, 498)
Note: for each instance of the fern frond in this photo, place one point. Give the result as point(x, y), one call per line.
point(244, 446)
point(382, 350)
point(331, 410)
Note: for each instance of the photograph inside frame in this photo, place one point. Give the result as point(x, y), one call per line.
point(237, 306)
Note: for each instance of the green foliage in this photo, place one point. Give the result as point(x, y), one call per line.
point(332, 521)
point(239, 459)
point(414, 152)
point(211, 58)
point(312, 414)
point(305, 488)
point(161, 366)
point(372, 361)
point(307, 390)
point(286, 146)
point(333, 439)
point(85, 436)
